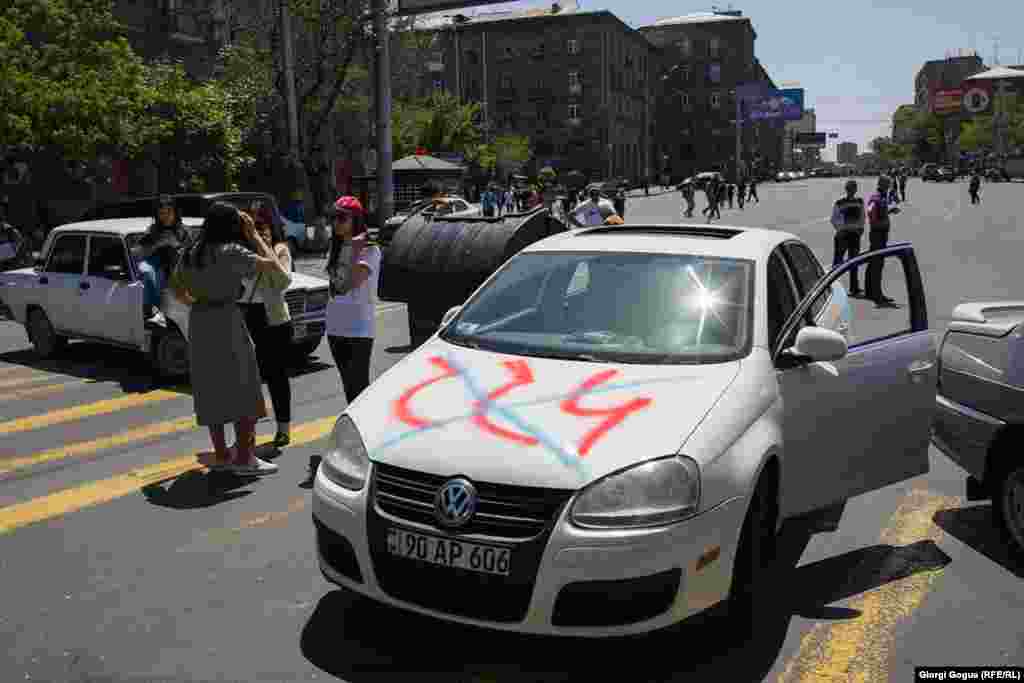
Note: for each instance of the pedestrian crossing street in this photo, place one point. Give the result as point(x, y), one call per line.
point(73, 435)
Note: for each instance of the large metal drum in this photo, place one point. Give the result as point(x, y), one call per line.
point(433, 264)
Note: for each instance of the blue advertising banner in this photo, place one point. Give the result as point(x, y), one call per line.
point(763, 103)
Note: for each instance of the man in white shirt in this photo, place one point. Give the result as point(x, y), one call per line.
point(594, 211)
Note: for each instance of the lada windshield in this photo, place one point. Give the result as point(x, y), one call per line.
point(613, 307)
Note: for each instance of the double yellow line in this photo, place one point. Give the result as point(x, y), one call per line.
point(94, 493)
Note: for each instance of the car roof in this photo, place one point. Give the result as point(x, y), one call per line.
point(697, 239)
point(120, 226)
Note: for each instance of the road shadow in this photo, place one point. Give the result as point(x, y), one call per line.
point(974, 526)
point(362, 641)
point(196, 489)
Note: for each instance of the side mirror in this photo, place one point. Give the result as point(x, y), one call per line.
point(815, 344)
point(451, 313)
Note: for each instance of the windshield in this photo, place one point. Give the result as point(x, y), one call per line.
point(613, 307)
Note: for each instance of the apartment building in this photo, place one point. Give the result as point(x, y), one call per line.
point(846, 152)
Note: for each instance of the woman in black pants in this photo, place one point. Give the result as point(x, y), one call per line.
point(270, 325)
point(353, 267)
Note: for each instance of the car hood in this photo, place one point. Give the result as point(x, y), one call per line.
point(553, 423)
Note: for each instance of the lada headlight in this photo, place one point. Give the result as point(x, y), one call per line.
point(653, 493)
point(346, 462)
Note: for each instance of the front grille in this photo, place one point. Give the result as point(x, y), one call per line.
point(296, 302)
point(508, 512)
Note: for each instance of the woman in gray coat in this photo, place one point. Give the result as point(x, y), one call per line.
point(226, 383)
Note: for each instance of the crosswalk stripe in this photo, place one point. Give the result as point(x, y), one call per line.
point(77, 450)
point(105, 490)
point(24, 424)
point(36, 392)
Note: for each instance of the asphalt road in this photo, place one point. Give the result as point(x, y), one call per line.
point(123, 562)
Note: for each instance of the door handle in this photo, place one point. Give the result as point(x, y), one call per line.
point(919, 368)
point(84, 285)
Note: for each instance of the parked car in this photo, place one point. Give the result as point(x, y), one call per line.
point(938, 173)
point(979, 411)
point(454, 207)
point(782, 177)
point(87, 286)
point(300, 237)
point(483, 480)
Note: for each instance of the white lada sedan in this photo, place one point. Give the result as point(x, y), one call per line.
point(606, 437)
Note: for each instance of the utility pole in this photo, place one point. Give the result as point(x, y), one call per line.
point(385, 184)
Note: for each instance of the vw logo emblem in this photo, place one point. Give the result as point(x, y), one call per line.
point(455, 503)
point(976, 100)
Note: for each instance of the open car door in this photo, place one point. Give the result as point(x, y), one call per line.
point(861, 422)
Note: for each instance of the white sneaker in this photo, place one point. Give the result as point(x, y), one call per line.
point(256, 467)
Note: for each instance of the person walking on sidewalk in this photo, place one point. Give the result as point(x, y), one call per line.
point(903, 185)
point(878, 212)
point(848, 220)
point(741, 192)
point(354, 270)
point(974, 188)
point(730, 190)
point(686, 189)
point(270, 323)
point(753, 190)
point(225, 374)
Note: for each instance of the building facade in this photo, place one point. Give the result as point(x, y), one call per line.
point(576, 83)
point(703, 58)
point(943, 74)
point(846, 152)
point(793, 156)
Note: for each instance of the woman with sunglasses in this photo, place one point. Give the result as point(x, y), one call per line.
point(270, 324)
point(353, 266)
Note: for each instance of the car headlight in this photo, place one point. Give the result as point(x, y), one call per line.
point(346, 463)
point(653, 493)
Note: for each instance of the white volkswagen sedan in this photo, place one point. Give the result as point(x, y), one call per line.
point(606, 437)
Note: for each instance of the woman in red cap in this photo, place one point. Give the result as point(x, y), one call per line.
point(353, 266)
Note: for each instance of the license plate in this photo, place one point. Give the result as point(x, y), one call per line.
point(299, 330)
point(448, 552)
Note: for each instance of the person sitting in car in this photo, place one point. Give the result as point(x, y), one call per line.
point(155, 263)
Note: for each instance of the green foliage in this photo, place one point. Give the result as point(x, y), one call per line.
point(976, 134)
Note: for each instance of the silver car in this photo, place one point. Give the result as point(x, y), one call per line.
point(980, 406)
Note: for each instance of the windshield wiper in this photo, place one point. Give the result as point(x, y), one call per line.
point(566, 355)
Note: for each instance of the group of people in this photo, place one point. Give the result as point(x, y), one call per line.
point(497, 201)
point(595, 210)
point(234, 275)
point(718, 193)
point(849, 217)
point(13, 245)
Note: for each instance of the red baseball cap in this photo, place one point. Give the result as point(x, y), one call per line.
point(350, 204)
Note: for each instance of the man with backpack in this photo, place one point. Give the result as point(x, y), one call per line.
point(974, 188)
point(848, 220)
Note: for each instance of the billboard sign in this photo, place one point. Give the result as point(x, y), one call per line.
point(762, 103)
point(811, 139)
point(947, 101)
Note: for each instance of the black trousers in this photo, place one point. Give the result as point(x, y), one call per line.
point(753, 194)
point(352, 356)
point(879, 239)
point(847, 246)
point(273, 345)
point(974, 197)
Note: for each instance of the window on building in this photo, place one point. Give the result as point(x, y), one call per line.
point(715, 73)
point(716, 100)
point(538, 50)
point(686, 47)
point(438, 84)
point(574, 47)
point(714, 48)
point(686, 72)
point(506, 82)
point(574, 79)
point(574, 111)
point(509, 52)
point(471, 57)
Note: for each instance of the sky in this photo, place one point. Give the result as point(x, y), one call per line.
point(855, 59)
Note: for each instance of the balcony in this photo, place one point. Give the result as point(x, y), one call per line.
point(576, 89)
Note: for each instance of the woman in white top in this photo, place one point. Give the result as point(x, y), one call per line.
point(353, 266)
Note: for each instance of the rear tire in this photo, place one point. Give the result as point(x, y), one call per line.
point(755, 560)
point(43, 336)
point(1008, 506)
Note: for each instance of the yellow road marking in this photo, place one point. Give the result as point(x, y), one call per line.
point(230, 535)
point(31, 379)
point(858, 650)
point(103, 491)
point(75, 450)
point(24, 424)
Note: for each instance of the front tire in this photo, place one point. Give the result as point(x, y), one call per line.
point(755, 559)
point(170, 354)
point(1008, 506)
point(43, 336)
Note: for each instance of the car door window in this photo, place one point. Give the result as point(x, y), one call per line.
point(68, 255)
point(108, 258)
point(781, 298)
point(807, 271)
